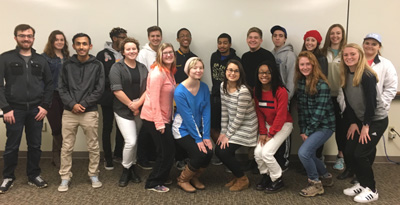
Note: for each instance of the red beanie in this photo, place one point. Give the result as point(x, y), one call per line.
point(313, 33)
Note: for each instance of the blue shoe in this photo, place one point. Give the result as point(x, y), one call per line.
point(339, 164)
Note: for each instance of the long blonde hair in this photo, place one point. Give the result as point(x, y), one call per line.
point(315, 75)
point(362, 65)
point(327, 43)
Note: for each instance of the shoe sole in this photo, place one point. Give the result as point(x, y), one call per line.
point(275, 191)
point(3, 192)
point(155, 190)
point(318, 193)
point(145, 168)
point(40, 187)
point(97, 186)
point(109, 168)
point(63, 190)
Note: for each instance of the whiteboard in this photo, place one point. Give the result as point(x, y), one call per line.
point(377, 17)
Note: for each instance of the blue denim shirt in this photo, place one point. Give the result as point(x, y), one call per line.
point(55, 65)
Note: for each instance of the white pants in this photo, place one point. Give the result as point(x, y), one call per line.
point(264, 155)
point(129, 130)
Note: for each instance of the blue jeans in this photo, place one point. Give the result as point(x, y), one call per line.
point(314, 166)
point(33, 132)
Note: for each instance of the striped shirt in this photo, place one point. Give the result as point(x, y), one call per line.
point(238, 117)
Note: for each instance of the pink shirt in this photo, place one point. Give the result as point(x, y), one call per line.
point(157, 105)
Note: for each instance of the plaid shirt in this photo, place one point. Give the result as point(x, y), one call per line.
point(315, 111)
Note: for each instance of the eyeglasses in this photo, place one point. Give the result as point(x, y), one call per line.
point(264, 73)
point(168, 53)
point(232, 71)
point(25, 36)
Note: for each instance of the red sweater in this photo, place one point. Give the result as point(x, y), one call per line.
point(272, 110)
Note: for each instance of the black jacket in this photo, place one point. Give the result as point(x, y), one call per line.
point(108, 59)
point(81, 83)
point(27, 85)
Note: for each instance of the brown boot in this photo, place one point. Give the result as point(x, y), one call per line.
point(184, 178)
point(240, 184)
point(195, 180)
point(231, 183)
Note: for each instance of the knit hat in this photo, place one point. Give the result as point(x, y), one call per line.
point(374, 36)
point(313, 33)
point(277, 27)
point(186, 69)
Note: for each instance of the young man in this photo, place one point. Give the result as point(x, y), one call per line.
point(110, 55)
point(24, 99)
point(286, 60)
point(147, 56)
point(218, 62)
point(184, 37)
point(255, 56)
point(148, 53)
point(250, 62)
point(81, 85)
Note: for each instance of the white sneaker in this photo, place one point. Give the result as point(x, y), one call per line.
point(96, 182)
point(366, 196)
point(354, 190)
point(64, 185)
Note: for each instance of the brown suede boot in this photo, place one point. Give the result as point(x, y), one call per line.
point(231, 182)
point(240, 184)
point(184, 178)
point(195, 180)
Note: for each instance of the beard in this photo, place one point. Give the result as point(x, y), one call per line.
point(24, 46)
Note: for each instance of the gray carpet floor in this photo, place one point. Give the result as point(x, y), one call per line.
point(80, 192)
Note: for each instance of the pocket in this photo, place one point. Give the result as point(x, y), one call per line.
point(36, 69)
point(16, 68)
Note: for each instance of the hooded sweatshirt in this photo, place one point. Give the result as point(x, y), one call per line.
point(147, 56)
point(286, 60)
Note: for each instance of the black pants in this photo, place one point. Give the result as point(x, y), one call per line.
point(108, 120)
point(227, 156)
point(359, 156)
point(146, 148)
point(340, 131)
point(165, 149)
point(198, 159)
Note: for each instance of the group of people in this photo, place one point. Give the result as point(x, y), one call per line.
point(158, 102)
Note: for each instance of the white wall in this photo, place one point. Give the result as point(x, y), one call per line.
point(205, 19)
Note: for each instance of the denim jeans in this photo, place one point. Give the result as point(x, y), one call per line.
point(33, 132)
point(314, 166)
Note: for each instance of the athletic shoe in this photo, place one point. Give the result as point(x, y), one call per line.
point(38, 182)
point(354, 190)
point(180, 165)
point(64, 185)
point(145, 165)
point(216, 161)
point(367, 195)
point(339, 164)
point(6, 185)
point(108, 164)
point(313, 188)
point(159, 188)
point(96, 182)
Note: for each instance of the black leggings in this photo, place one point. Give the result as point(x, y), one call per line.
point(198, 159)
point(227, 156)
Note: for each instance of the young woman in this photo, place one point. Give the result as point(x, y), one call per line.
point(366, 113)
point(56, 52)
point(274, 123)
point(128, 82)
point(191, 127)
point(238, 122)
point(316, 121)
point(157, 115)
point(334, 42)
point(383, 67)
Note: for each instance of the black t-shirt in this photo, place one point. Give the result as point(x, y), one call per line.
point(133, 91)
point(251, 61)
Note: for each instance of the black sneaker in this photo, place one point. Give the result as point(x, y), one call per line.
point(108, 164)
point(275, 186)
point(145, 165)
point(6, 185)
point(38, 182)
point(264, 182)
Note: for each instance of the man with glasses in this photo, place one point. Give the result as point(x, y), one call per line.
point(184, 38)
point(110, 55)
point(26, 89)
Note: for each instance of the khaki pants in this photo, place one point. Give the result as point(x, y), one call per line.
point(89, 123)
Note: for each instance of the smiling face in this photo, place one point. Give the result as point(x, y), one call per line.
point(130, 51)
point(59, 42)
point(254, 41)
point(25, 39)
point(184, 38)
point(371, 47)
point(168, 56)
point(155, 39)
point(264, 75)
point(196, 72)
point(305, 66)
point(232, 72)
point(82, 47)
point(224, 46)
point(278, 38)
point(351, 57)
point(336, 35)
point(310, 44)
